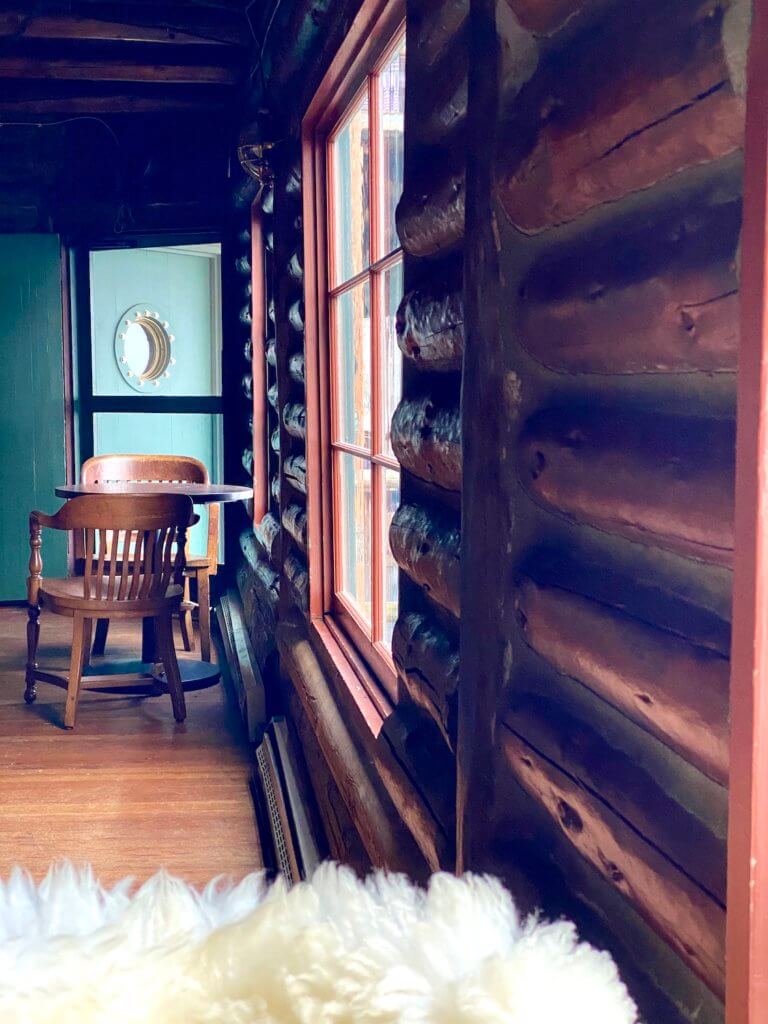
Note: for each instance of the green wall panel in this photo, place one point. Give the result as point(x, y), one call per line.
point(33, 459)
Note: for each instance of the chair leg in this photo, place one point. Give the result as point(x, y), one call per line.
point(100, 643)
point(79, 630)
point(167, 652)
point(204, 613)
point(185, 619)
point(88, 637)
point(33, 638)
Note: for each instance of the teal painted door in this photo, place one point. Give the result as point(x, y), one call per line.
point(180, 285)
point(32, 445)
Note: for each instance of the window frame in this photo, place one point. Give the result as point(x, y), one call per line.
point(373, 36)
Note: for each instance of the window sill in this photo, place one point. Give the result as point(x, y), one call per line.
point(351, 673)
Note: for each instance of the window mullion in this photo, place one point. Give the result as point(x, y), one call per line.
point(377, 556)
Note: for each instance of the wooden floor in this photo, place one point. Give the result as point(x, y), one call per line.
point(128, 790)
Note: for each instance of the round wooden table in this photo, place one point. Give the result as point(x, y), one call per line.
point(194, 674)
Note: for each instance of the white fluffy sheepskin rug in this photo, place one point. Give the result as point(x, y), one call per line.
point(331, 951)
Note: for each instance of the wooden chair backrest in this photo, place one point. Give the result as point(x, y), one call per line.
point(134, 544)
point(155, 469)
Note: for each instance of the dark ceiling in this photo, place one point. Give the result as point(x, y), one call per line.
point(122, 105)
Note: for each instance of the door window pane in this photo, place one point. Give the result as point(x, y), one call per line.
point(352, 343)
point(391, 86)
point(175, 288)
point(197, 434)
point(354, 525)
point(351, 201)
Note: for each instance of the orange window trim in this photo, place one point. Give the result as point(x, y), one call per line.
point(338, 622)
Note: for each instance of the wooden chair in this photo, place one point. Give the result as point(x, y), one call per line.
point(142, 577)
point(165, 469)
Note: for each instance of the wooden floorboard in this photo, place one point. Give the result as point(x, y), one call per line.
point(128, 790)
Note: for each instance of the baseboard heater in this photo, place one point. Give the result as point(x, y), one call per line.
point(291, 835)
point(284, 803)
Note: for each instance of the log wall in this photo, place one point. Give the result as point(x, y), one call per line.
point(597, 457)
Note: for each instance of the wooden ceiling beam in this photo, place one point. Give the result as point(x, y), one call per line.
point(105, 70)
point(181, 26)
point(12, 108)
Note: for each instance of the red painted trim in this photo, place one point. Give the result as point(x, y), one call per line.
point(747, 922)
point(259, 369)
point(373, 36)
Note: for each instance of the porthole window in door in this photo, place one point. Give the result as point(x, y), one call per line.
point(144, 348)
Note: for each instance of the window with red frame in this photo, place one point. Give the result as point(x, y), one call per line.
point(364, 179)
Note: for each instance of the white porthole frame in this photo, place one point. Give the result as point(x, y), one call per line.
point(157, 329)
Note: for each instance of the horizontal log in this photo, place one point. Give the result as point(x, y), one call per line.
point(103, 70)
point(294, 268)
point(297, 577)
point(271, 352)
point(296, 367)
point(274, 488)
point(660, 479)
point(245, 315)
point(426, 439)
point(430, 328)
point(434, 26)
point(617, 108)
point(380, 827)
point(543, 17)
point(268, 200)
point(675, 907)
point(674, 689)
point(243, 265)
point(259, 587)
point(651, 292)
point(295, 419)
point(295, 470)
point(274, 440)
point(248, 351)
point(247, 385)
point(426, 544)
point(268, 535)
point(430, 214)
point(296, 315)
point(579, 747)
point(427, 661)
point(247, 461)
point(565, 885)
point(272, 395)
point(294, 520)
point(664, 601)
point(439, 93)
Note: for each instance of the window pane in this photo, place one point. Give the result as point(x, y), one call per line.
point(389, 576)
point(352, 343)
point(391, 86)
point(354, 525)
point(350, 222)
point(391, 357)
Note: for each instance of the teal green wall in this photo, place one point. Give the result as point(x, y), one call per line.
point(32, 450)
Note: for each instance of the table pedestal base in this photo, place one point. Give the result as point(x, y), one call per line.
point(195, 675)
